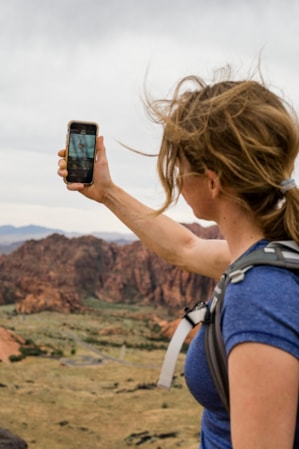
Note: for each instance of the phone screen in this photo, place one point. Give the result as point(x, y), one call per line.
point(81, 152)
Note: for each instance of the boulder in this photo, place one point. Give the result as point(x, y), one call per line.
point(10, 441)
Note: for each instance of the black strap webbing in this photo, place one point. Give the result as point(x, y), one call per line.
point(215, 349)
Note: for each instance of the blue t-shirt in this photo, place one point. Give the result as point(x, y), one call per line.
point(263, 308)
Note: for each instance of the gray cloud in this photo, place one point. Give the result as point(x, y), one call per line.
point(68, 59)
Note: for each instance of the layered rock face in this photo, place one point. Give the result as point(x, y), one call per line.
point(57, 273)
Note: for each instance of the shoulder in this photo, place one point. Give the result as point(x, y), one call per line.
point(269, 274)
point(265, 282)
point(264, 307)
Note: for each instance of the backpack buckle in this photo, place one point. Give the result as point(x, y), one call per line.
point(196, 314)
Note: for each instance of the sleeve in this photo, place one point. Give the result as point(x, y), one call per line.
point(263, 308)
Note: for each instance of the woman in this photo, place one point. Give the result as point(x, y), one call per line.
point(229, 149)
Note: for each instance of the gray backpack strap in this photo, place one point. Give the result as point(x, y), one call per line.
point(284, 254)
point(214, 344)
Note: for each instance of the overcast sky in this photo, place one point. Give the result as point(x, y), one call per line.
point(87, 60)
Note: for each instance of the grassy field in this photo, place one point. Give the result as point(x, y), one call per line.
point(100, 392)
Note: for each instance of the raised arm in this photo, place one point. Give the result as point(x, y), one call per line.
point(167, 238)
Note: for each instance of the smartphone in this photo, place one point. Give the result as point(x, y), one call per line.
point(80, 151)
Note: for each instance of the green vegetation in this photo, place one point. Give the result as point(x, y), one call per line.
point(93, 383)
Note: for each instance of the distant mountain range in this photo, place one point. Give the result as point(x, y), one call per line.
point(11, 237)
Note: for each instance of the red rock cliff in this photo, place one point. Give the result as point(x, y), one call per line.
point(56, 273)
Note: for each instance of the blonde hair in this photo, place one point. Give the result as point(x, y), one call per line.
point(246, 134)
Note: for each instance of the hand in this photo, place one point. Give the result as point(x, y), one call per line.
point(101, 180)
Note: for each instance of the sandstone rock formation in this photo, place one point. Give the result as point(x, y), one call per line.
point(9, 344)
point(57, 273)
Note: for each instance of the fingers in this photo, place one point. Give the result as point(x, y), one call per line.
point(62, 163)
point(62, 172)
point(62, 166)
point(61, 153)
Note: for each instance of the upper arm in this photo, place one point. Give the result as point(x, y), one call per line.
point(207, 257)
point(264, 385)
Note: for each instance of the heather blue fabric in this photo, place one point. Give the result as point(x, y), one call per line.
point(263, 308)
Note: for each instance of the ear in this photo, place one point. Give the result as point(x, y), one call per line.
point(213, 183)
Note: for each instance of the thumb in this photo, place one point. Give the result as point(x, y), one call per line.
point(101, 158)
point(100, 147)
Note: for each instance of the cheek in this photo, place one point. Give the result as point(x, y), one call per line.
point(188, 192)
point(193, 189)
point(197, 197)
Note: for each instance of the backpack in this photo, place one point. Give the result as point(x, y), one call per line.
point(284, 254)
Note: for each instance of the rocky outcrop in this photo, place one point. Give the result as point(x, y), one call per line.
point(10, 344)
point(8, 440)
point(56, 273)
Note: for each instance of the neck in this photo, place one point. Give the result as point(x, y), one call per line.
point(239, 230)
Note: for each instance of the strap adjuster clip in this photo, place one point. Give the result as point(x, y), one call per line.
point(187, 316)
